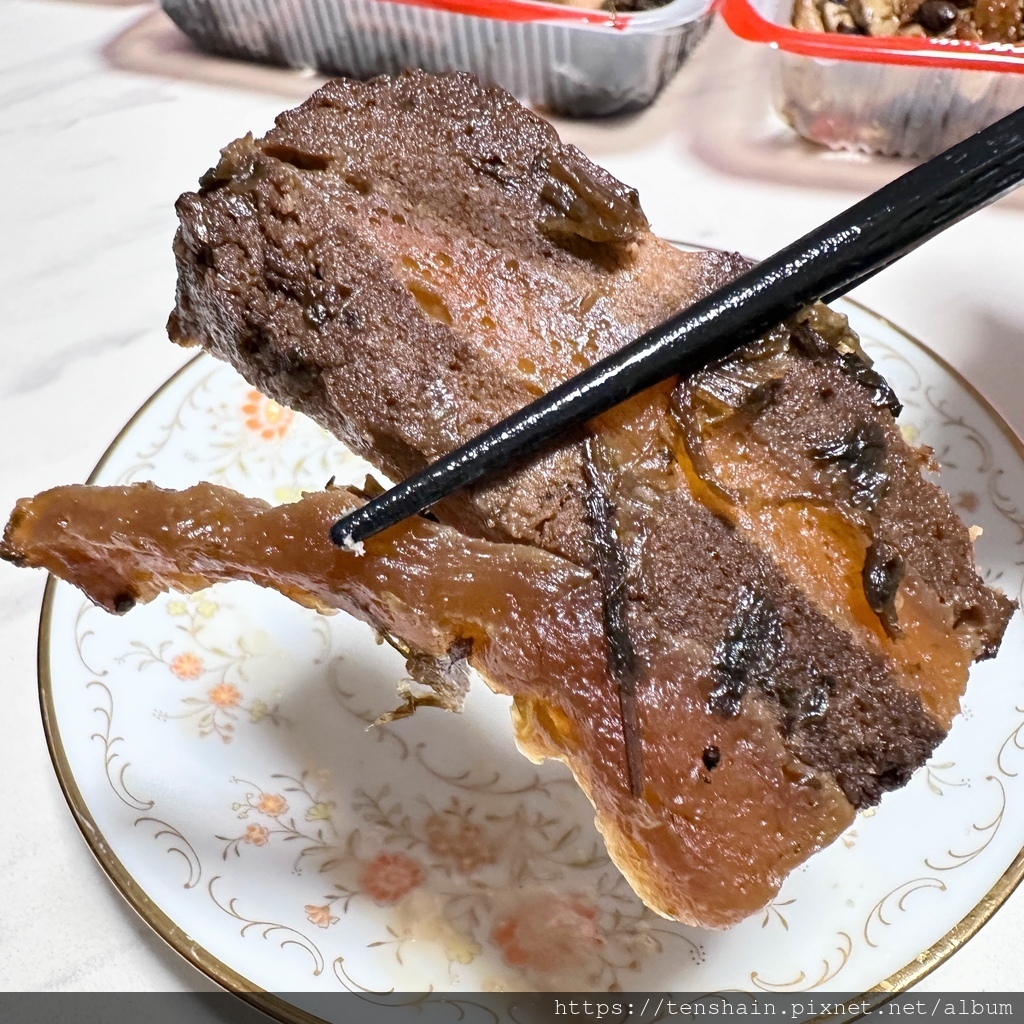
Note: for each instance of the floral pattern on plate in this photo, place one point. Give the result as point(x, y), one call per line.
point(218, 750)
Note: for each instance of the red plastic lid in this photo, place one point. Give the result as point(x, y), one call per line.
point(747, 23)
point(524, 10)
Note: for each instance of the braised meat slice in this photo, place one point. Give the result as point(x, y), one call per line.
point(408, 260)
point(735, 606)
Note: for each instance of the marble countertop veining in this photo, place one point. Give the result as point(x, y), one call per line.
point(105, 117)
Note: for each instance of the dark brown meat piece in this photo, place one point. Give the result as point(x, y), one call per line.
point(793, 609)
point(407, 295)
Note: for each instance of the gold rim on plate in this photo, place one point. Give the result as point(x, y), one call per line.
point(230, 980)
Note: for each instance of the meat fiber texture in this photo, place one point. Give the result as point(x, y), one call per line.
point(780, 584)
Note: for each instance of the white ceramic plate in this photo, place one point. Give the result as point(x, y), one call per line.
point(215, 750)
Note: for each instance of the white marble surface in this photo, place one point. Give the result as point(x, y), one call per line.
point(104, 119)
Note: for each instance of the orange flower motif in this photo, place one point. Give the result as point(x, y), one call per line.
point(265, 417)
point(549, 933)
point(461, 842)
point(224, 695)
point(389, 876)
point(320, 916)
point(187, 666)
point(257, 835)
point(271, 804)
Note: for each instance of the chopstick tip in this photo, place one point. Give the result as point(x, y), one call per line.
point(344, 535)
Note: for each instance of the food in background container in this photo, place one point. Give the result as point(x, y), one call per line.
point(900, 95)
point(566, 57)
point(977, 21)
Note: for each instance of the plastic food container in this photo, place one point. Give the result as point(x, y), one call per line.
point(565, 59)
point(909, 97)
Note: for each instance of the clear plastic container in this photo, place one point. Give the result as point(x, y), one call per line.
point(567, 60)
point(910, 97)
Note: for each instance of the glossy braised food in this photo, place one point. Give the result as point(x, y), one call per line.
point(735, 606)
point(531, 623)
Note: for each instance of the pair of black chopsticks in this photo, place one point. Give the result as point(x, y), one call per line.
point(824, 264)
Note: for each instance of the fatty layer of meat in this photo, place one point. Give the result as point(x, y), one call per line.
point(705, 844)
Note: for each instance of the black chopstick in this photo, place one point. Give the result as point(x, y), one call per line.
point(824, 264)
